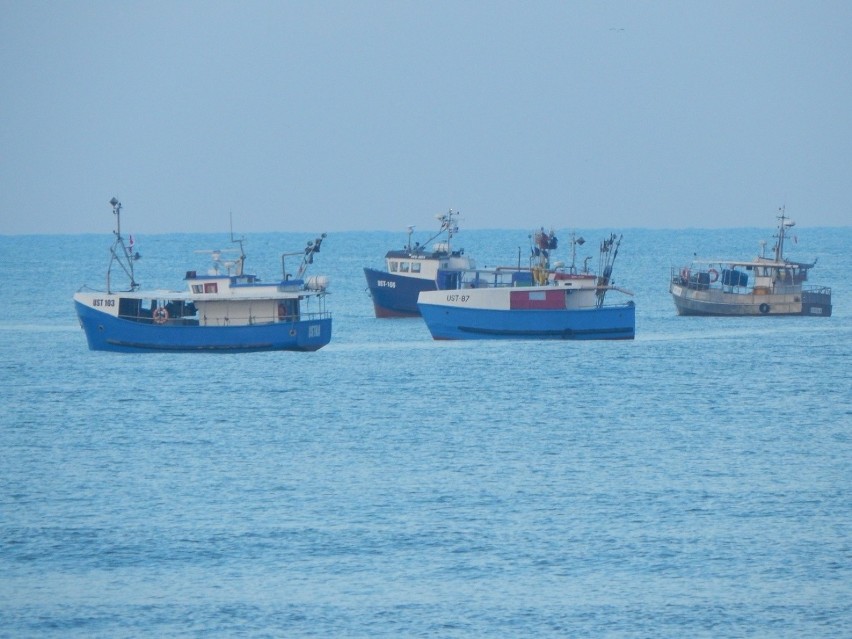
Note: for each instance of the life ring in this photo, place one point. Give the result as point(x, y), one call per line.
point(714, 275)
point(160, 315)
point(763, 308)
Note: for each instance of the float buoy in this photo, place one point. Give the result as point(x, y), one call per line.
point(160, 315)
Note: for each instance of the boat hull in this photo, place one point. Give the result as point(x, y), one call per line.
point(396, 295)
point(714, 302)
point(617, 322)
point(105, 332)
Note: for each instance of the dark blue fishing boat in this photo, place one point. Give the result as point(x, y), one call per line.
point(415, 269)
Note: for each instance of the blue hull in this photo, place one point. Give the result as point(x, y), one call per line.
point(608, 322)
point(107, 333)
point(396, 295)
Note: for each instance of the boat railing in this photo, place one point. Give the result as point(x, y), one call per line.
point(158, 317)
point(814, 294)
point(309, 315)
point(814, 288)
point(730, 280)
point(695, 280)
point(147, 317)
point(500, 277)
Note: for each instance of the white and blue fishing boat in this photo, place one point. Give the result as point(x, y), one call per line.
point(223, 310)
point(416, 268)
point(764, 286)
point(535, 302)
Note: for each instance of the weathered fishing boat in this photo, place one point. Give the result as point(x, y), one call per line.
point(224, 310)
point(416, 268)
point(535, 302)
point(763, 286)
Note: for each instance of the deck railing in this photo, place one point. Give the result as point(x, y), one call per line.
point(145, 317)
point(816, 294)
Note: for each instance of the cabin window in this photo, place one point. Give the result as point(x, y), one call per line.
point(128, 307)
point(288, 309)
point(394, 267)
point(211, 287)
point(415, 267)
point(403, 267)
point(197, 288)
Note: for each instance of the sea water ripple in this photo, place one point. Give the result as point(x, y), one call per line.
point(693, 482)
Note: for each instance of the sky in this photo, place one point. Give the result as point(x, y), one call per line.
point(334, 116)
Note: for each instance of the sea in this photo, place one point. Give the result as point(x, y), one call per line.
point(693, 482)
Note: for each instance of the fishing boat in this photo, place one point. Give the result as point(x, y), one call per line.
point(538, 301)
point(417, 268)
point(763, 286)
point(222, 310)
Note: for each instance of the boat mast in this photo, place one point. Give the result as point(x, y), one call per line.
point(120, 253)
point(575, 241)
point(542, 244)
point(242, 259)
point(782, 229)
point(448, 225)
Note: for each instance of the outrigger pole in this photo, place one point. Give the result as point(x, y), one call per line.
point(609, 251)
point(307, 257)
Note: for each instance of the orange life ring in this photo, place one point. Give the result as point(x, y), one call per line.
point(160, 315)
point(714, 275)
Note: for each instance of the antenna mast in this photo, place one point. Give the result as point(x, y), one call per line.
point(447, 224)
point(242, 258)
point(120, 253)
point(782, 230)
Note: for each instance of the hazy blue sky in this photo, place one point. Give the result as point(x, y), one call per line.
point(335, 116)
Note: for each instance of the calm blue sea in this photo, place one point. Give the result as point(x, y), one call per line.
point(695, 482)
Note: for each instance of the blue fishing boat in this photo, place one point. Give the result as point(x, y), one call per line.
point(416, 268)
point(538, 302)
point(223, 310)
